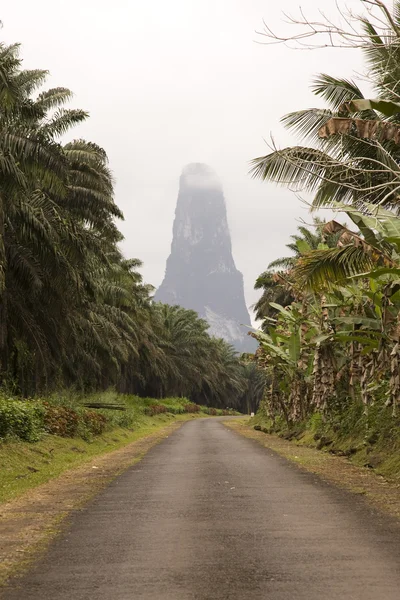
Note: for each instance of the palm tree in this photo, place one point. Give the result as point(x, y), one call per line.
point(73, 310)
point(355, 152)
point(346, 343)
point(304, 240)
point(276, 290)
point(276, 282)
point(56, 219)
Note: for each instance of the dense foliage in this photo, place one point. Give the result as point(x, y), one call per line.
point(73, 310)
point(331, 331)
point(69, 415)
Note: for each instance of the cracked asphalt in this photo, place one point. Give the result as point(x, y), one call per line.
point(208, 514)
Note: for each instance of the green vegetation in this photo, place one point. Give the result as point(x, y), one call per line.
point(74, 312)
point(72, 416)
point(371, 441)
point(330, 339)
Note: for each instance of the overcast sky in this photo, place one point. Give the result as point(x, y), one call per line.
point(168, 82)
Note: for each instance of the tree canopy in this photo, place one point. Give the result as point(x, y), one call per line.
point(73, 310)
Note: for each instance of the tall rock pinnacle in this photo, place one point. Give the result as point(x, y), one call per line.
point(200, 272)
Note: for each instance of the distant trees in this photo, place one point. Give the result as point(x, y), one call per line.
point(73, 310)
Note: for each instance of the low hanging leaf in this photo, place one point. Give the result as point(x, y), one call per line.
point(323, 269)
point(386, 107)
point(286, 313)
point(358, 320)
point(320, 339)
point(277, 352)
point(377, 273)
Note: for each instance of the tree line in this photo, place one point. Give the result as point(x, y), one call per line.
point(331, 310)
point(74, 311)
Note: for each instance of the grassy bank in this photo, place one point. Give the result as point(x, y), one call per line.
point(27, 464)
point(371, 441)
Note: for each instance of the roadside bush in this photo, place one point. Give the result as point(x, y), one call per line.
point(155, 409)
point(192, 408)
point(95, 422)
point(118, 418)
point(22, 419)
point(60, 420)
point(175, 410)
point(208, 410)
point(64, 414)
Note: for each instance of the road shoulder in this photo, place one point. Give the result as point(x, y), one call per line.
point(379, 492)
point(29, 523)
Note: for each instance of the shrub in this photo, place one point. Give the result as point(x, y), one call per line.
point(95, 422)
point(60, 420)
point(121, 418)
point(208, 410)
point(175, 410)
point(155, 409)
point(315, 422)
point(20, 418)
point(190, 407)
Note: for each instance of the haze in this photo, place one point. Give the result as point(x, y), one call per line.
point(168, 83)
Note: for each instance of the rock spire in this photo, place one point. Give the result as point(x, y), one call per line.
point(200, 272)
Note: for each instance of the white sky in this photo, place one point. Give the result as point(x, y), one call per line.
point(168, 82)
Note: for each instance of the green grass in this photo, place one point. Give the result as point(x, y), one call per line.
point(371, 441)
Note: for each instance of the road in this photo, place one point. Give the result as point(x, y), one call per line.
point(209, 515)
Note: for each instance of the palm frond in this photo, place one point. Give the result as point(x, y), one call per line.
point(307, 123)
point(299, 167)
point(335, 91)
point(323, 269)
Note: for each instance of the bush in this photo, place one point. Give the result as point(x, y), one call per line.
point(175, 410)
point(60, 420)
point(95, 422)
point(155, 409)
point(120, 418)
point(192, 408)
point(22, 419)
point(208, 410)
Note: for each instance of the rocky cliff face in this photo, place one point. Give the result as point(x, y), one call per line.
point(200, 272)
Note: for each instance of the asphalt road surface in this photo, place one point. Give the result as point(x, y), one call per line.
point(210, 515)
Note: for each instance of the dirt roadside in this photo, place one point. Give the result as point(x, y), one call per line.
point(379, 492)
point(28, 523)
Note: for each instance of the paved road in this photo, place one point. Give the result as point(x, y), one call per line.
point(210, 515)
